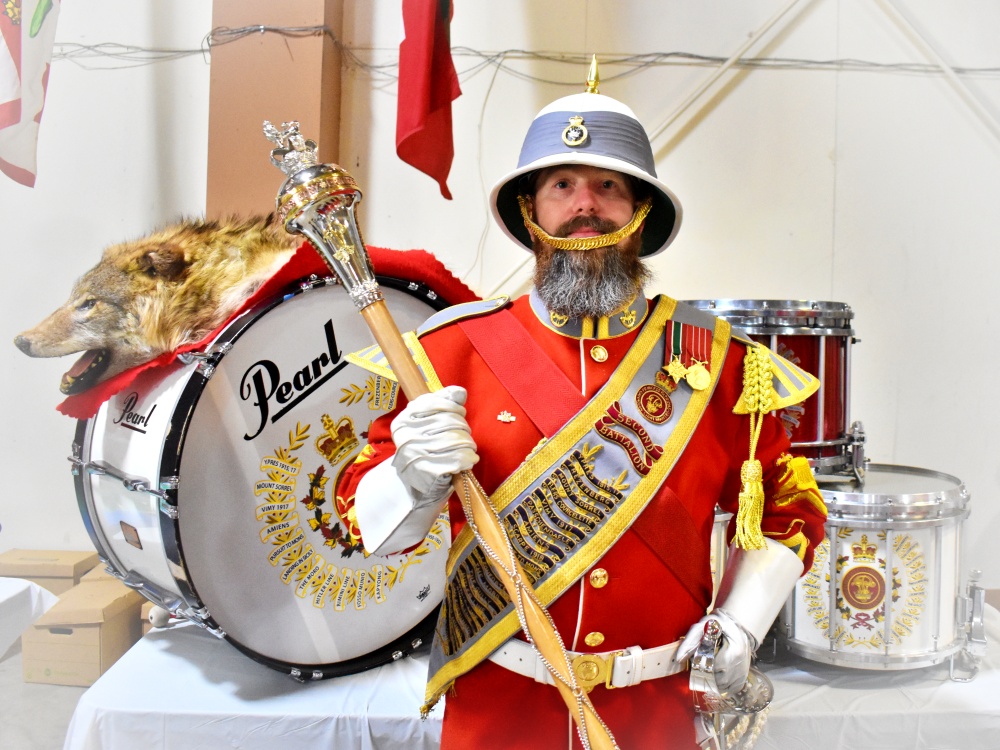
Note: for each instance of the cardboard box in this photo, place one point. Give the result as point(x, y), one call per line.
point(79, 639)
point(97, 573)
point(56, 570)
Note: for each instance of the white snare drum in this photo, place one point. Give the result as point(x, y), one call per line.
point(817, 336)
point(894, 568)
point(212, 490)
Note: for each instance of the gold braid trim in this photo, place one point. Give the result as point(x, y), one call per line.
point(756, 399)
point(585, 243)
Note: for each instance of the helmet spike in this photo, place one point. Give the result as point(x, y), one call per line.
point(593, 77)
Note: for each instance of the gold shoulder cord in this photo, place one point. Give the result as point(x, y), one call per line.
point(756, 398)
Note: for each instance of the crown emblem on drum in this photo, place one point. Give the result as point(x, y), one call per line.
point(338, 440)
point(863, 550)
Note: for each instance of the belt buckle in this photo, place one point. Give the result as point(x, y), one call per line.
point(595, 669)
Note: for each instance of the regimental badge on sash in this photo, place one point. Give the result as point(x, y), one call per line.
point(654, 403)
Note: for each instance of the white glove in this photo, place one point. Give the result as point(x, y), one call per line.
point(398, 501)
point(433, 443)
point(736, 648)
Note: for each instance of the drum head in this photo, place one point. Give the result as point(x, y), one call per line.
point(901, 494)
point(269, 547)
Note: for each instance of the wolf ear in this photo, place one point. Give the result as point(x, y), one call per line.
point(163, 263)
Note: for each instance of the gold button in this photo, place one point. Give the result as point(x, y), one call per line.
point(594, 639)
point(599, 354)
point(598, 578)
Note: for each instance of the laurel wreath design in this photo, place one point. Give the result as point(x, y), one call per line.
point(907, 550)
point(310, 574)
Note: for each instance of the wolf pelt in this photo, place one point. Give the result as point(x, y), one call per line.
point(151, 295)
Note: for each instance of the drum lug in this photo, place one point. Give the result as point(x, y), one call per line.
point(296, 674)
point(200, 617)
point(170, 511)
point(314, 281)
point(859, 463)
point(208, 359)
point(976, 606)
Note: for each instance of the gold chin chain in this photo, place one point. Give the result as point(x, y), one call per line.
point(585, 243)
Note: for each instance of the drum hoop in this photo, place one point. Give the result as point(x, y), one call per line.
point(417, 636)
point(842, 658)
point(778, 330)
point(958, 491)
point(775, 306)
point(782, 317)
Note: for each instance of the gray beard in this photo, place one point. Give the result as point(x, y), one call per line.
point(571, 284)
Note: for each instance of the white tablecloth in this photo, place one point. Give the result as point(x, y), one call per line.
point(819, 706)
point(181, 689)
point(21, 603)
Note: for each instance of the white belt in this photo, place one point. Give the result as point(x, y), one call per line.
point(613, 669)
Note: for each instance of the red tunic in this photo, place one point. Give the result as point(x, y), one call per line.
point(644, 602)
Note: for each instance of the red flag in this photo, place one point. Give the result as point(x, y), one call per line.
point(27, 33)
point(428, 84)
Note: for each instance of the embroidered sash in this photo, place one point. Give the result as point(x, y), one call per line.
point(574, 496)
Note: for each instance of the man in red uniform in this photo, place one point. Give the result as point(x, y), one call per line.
point(607, 429)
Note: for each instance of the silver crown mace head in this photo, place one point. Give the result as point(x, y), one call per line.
point(293, 153)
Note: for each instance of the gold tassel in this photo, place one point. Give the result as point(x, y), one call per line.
point(751, 512)
point(757, 399)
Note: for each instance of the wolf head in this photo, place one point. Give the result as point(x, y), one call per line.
point(152, 295)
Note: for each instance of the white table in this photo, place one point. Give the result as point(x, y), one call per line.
point(21, 603)
point(181, 689)
point(822, 706)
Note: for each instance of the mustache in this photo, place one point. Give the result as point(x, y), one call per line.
point(599, 225)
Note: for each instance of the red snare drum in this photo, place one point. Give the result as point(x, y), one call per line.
point(817, 336)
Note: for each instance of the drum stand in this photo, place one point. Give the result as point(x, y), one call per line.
point(852, 464)
point(971, 607)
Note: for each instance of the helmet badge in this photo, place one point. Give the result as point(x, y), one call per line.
point(575, 133)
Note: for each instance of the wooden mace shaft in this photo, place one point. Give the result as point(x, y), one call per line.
point(540, 628)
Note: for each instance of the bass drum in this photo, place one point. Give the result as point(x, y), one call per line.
point(213, 490)
point(884, 588)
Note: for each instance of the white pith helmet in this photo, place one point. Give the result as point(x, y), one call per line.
point(594, 130)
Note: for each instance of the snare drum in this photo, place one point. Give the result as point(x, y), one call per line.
point(817, 336)
point(892, 553)
point(213, 490)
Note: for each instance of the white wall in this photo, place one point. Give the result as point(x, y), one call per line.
point(121, 151)
point(870, 188)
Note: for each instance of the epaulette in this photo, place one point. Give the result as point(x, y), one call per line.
point(771, 382)
point(373, 360)
point(738, 334)
point(456, 313)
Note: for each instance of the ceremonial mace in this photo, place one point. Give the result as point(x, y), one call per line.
point(319, 201)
